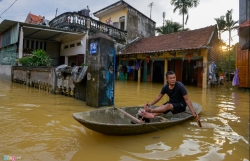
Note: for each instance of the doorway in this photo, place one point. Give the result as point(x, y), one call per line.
point(158, 71)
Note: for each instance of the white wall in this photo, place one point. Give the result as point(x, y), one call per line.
point(71, 51)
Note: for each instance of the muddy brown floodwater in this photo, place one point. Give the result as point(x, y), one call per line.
point(38, 126)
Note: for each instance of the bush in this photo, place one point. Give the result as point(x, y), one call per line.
point(39, 58)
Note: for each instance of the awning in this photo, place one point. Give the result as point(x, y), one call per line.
point(246, 45)
point(41, 32)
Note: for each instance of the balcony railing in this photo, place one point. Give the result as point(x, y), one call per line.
point(73, 21)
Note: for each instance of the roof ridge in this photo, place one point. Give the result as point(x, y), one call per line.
point(178, 32)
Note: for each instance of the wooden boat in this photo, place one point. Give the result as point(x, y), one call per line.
point(113, 121)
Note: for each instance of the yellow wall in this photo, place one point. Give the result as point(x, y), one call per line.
point(167, 55)
point(114, 16)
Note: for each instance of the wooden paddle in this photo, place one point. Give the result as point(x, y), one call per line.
point(127, 114)
point(198, 121)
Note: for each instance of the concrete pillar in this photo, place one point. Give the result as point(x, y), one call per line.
point(20, 46)
point(165, 69)
point(100, 75)
point(205, 65)
point(66, 60)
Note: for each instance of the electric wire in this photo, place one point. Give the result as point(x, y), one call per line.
point(8, 7)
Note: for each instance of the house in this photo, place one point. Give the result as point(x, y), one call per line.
point(125, 17)
point(34, 19)
point(19, 39)
point(190, 54)
point(243, 50)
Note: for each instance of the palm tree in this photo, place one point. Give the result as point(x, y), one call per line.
point(183, 6)
point(221, 24)
point(169, 27)
point(229, 26)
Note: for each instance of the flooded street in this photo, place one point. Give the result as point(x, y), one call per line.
point(38, 126)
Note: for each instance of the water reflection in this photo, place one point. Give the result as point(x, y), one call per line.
point(37, 125)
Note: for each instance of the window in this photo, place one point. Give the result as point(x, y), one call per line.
point(36, 45)
point(78, 44)
point(72, 45)
point(66, 46)
point(41, 45)
point(122, 22)
point(32, 44)
point(27, 44)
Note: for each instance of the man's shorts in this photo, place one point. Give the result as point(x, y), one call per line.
point(178, 107)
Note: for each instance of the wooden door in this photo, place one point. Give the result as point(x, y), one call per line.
point(178, 69)
point(80, 59)
point(242, 63)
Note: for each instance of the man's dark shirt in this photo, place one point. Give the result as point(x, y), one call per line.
point(176, 94)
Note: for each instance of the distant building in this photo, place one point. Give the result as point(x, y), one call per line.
point(125, 17)
point(243, 50)
point(37, 20)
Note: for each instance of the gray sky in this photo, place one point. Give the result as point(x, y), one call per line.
point(199, 17)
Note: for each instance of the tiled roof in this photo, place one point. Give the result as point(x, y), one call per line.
point(193, 39)
point(35, 18)
point(245, 24)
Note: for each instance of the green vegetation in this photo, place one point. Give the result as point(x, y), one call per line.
point(183, 6)
point(226, 23)
point(228, 61)
point(84, 64)
point(169, 27)
point(39, 58)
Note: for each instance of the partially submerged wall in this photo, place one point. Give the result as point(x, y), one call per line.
point(44, 78)
point(5, 72)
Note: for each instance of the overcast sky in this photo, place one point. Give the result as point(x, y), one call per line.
point(199, 17)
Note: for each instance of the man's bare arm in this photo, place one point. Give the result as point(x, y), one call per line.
point(190, 106)
point(156, 99)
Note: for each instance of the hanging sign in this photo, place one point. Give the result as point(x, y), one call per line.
point(93, 48)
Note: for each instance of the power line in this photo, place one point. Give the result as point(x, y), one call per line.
point(7, 8)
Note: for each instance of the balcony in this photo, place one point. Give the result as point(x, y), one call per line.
point(73, 21)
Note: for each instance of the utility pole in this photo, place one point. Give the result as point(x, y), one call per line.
point(151, 5)
point(163, 15)
point(56, 12)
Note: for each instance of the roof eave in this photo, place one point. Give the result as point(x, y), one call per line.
point(157, 51)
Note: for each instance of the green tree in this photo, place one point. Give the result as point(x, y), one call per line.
point(183, 6)
point(228, 63)
point(221, 24)
point(229, 26)
point(169, 27)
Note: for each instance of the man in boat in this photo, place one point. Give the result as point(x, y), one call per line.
point(178, 99)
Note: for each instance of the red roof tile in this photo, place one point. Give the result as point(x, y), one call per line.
point(245, 24)
point(35, 18)
point(193, 39)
